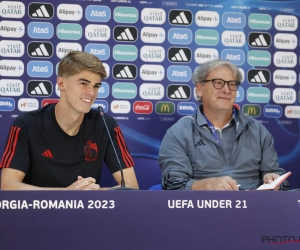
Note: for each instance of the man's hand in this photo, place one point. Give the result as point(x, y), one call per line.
point(88, 183)
point(269, 178)
point(219, 183)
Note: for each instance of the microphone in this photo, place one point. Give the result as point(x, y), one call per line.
point(123, 187)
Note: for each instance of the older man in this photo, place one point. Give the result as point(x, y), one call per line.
point(219, 147)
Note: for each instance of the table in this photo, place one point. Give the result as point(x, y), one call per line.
point(149, 220)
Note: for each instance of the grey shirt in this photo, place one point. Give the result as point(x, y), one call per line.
point(189, 152)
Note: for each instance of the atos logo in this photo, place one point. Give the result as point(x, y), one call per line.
point(272, 111)
point(7, 104)
point(103, 91)
point(179, 73)
point(12, 29)
point(125, 33)
point(96, 13)
point(234, 20)
point(40, 30)
point(186, 108)
point(203, 55)
point(181, 55)
point(39, 69)
point(102, 51)
point(40, 49)
point(41, 10)
point(101, 103)
point(235, 56)
point(180, 36)
point(180, 17)
point(240, 94)
point(143, 107)
point(124, 71)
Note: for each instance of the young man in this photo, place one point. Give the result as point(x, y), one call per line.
point(219, 147)
point(62, 146)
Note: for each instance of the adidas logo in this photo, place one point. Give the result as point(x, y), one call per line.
point(41, 10)
point(36, 49)
point(121, 71)
point(180, 55)
point(180, 17)
point(37, 88)
point(200, 143)
point(259, 40)
point(183, 92)
point(125, 34)
point(260, 76)
point(47, 153)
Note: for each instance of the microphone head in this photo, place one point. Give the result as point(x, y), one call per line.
point(100, 109)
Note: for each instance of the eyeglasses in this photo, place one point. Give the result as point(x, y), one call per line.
point(220, 83)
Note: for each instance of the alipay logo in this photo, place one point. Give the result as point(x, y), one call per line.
point(153, 35)
point(284, 77)
point(285, 41)
point(10, 9)
point(70, 12)
point(124, 71)
point(151, 72)
point(180, 17)
point(10, 48)
point(203, 55)
point(11, 68)
point(40, 49)
point(64, 48)
point(40, 30)
point(207, 18)
point(39, 69)
point(14, 29)
point(40, 10)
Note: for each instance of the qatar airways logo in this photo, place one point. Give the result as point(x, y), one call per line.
point(153, 16)
point(10, 9)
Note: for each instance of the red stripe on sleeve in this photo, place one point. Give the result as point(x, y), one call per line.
point(122, 145)
point(10, 147)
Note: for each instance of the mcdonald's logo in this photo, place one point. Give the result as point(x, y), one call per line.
point(252, 110)
point(165, 108)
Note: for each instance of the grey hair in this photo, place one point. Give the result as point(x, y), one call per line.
point(201, 72)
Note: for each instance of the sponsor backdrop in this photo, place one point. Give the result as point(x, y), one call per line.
point(150, 49)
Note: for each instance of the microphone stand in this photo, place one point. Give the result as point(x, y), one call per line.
point(123, 187)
